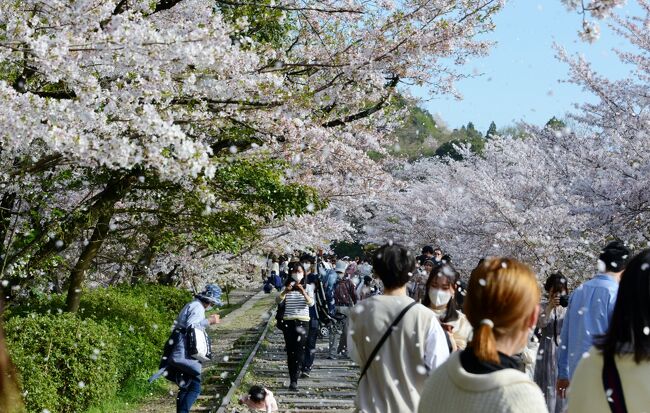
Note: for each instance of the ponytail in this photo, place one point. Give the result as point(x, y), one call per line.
point(502, 294)
point(484, 343)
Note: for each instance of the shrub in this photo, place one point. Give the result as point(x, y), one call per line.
point(54, 350)
point(165, 299)
point(65, 363)
point(140, 317)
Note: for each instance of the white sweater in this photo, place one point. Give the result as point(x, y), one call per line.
point(394, 381)
point(451, 388)
point(586, 392)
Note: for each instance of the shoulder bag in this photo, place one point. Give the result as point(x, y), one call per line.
point(383, 340)
point(612, 385)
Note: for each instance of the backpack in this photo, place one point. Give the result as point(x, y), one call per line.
point(198, 344)
point(342, 293)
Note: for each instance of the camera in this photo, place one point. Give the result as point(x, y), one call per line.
point(564, 301)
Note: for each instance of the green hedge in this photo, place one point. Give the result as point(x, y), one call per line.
point(141, 318)
point(65, 363)
point(118, 334)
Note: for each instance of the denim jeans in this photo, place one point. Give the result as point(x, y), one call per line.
point(187, 394)
point(338, 332)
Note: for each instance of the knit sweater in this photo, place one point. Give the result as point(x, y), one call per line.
point(586, 392)
point(451, 388)
point(297, 308)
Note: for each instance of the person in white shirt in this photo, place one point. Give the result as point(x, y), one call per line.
point(393, 371)
point(440, 292)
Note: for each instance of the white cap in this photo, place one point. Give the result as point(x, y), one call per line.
point(341, 266)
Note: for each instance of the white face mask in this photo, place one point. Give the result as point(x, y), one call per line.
point(297, 277)
point(439, 297)
point(307, 267)
point(340, 275)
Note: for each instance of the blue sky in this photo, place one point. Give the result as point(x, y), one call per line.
point(520, 78)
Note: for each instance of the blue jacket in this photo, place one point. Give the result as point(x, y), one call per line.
point(590, 310)
point(329, 282)
point(175, 359)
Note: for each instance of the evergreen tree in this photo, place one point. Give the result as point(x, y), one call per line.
point(555, 124)
point(492, 130)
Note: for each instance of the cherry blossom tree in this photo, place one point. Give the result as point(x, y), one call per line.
point(552, 197)
point(122, 120)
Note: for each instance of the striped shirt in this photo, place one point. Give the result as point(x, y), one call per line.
point(297, 308)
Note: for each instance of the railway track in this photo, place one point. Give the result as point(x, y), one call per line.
point(232, 342)
point(330, 388)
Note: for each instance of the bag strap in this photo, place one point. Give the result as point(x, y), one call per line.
point(612, 385)
point(383, 340)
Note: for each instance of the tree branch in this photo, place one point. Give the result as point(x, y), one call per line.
point(366, 112)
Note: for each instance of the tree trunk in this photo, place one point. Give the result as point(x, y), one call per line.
point(113, 192)
point(88, 253)
point(167, 279)
point(6, 207)
point(104, 205)
point(144, 261)
point(226, 291)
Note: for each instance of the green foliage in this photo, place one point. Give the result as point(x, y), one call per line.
point(419, 135)
point(351, 249)
point(265, 24)
point(516, 131)
point(164, 299)
point(253, 193)
point(492, 130)
point(140, 320)
point(555, 124)
point(65, 363)
point(131, 393)
point(54, 351)
point(260, 185)
point(418, 126)
point(465, 135)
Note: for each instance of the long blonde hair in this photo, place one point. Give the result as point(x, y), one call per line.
point(502, 294)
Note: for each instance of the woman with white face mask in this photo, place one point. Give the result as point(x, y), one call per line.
point(440, 292)
point(298, 297)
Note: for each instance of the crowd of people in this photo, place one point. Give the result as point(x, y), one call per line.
point(425, 340)
point(424, 336)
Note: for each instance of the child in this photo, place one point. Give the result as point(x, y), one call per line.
point(260, 398)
